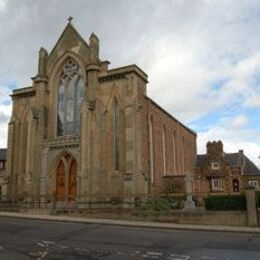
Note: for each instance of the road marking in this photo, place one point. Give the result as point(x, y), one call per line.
point(178, 257)
point(45, 243)
point(48, 242)
point(63, 247)
point(78, 249)
point(154, 255)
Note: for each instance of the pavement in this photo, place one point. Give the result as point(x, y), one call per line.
point(128, 223)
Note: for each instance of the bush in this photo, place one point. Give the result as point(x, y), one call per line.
point(177, 202)
point(156, 204)
point(225, 202)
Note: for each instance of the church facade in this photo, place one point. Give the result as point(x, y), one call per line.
point(86, 134)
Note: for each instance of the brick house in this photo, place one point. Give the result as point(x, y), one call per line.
point(217, 172)
point(3, 175)
point(86, 134)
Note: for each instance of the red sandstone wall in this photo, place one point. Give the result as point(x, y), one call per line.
point(184, 138)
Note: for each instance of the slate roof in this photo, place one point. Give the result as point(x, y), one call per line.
point(201, 160)
point(2, 154)
point(232, 160)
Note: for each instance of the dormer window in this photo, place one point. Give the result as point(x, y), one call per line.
point(215, 165)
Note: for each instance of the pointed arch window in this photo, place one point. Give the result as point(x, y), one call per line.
point(164, 150)
point(151, 149)
point(116, 136)
point(174, 161)
point(70, 98)
point(183, 155)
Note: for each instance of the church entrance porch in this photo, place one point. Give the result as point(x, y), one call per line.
point(66, 179)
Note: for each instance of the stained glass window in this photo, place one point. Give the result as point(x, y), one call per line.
point(70, 98)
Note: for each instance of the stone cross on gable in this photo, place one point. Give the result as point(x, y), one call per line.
point(70, 19)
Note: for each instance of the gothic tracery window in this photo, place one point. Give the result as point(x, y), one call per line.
point(70, 98)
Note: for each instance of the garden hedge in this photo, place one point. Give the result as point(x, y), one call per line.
point(225, 202)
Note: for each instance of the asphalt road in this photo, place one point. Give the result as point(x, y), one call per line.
point(33, 239)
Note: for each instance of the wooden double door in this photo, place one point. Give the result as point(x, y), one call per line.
point(66, 179)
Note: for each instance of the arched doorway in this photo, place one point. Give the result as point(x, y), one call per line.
point(235, 184)
point(66, 178)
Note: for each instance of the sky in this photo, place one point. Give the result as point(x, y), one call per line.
point(202, 57)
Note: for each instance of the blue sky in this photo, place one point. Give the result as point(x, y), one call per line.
point(202, 57)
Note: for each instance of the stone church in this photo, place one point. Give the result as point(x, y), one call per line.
point(85, 134)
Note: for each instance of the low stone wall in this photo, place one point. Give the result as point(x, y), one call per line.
point(199, 217)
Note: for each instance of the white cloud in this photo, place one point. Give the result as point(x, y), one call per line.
point(238, 122)
point(182, 82)
point(2, 5)
point(253, 102)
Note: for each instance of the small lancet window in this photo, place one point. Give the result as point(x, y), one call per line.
point(183, 155)
point(174, 161)
point(164, 150)
point(70, 98)
point(151, 149)
point(116, 136)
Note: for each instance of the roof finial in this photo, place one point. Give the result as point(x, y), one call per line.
point(70, 19)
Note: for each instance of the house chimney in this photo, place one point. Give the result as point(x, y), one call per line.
point(241, 160)
point(215, 149)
